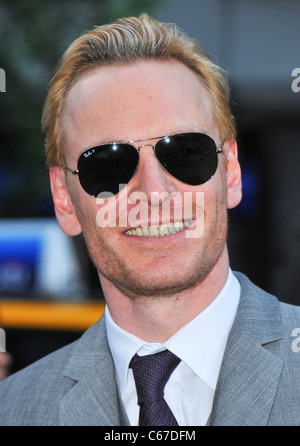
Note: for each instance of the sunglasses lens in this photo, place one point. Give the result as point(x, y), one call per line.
point(191, 157)
point(107, 167)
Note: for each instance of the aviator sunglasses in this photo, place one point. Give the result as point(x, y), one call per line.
point(189, 157)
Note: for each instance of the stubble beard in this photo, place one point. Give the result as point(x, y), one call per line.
point(135, 284)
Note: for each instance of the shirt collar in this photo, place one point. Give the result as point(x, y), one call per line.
point(200, 344)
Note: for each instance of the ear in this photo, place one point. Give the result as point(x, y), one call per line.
point(64, 208)
point(233, 175)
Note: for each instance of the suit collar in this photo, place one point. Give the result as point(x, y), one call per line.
point(258, 313)
point(250, 372)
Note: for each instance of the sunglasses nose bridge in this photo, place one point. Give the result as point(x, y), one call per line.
point(152, 176)
point(145, 145)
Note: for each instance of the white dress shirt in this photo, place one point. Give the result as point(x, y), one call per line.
point(200, 345)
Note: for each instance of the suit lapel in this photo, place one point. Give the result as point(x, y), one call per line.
point(250, 372)
point(94, 399)
point(247, 384)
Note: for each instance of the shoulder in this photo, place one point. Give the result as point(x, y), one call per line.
point(258, 302)
point(274, 328)
point(275, 324)
point(33, 393)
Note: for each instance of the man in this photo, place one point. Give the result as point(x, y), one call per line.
point(138, 103)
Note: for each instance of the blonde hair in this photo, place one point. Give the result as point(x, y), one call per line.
point(123, 42)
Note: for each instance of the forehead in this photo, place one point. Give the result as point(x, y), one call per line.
point(136, 101)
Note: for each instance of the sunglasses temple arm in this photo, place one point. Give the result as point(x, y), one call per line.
point(74, 172)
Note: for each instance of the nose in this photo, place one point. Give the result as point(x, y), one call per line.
point(151, 178)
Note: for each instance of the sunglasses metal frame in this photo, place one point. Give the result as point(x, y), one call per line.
point(88, 152)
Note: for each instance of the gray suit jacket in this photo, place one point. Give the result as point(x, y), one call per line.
point(259, 380)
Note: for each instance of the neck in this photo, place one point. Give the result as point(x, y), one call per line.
point(157, 318)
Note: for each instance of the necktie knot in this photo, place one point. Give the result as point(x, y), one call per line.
point(151, 373)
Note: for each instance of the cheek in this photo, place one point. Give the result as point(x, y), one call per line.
point(85, 207)
point(215, 199)
point(215, 190)
point(98, 219)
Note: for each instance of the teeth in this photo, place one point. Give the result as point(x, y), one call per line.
point(159, 231)
point(154, 231)
point(145, 231)
point(178, 226)
point(163, 230)
point(139, 231)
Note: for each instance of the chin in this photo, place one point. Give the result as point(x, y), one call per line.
point(163, 285)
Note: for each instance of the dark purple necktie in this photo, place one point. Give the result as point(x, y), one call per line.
point(151, 373)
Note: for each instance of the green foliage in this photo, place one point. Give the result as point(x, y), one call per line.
point(33, 36)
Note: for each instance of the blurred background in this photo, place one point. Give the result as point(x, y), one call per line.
point(49, 291)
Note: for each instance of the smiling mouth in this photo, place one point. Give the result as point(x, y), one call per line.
point(159, 231)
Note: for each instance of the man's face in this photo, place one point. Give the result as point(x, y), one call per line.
point(137, 102)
